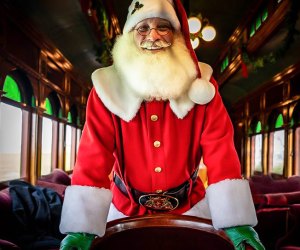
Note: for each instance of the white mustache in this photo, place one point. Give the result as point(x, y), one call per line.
point(158, 44)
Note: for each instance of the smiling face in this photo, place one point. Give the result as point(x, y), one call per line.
point(154, 34)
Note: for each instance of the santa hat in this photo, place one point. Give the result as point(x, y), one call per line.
point(202, 90)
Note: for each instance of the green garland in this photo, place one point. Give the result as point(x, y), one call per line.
point(290, 20)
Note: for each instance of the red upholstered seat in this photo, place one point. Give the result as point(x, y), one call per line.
point(163, 231)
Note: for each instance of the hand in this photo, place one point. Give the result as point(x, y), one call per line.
point(78, 241)
point(242, 236)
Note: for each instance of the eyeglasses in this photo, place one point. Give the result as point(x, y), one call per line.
point(145, 30)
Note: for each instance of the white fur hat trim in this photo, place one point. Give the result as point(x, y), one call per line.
point(140, 10)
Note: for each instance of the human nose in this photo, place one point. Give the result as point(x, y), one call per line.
point(153, 34)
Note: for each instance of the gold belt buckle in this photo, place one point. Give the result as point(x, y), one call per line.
point(160, 202)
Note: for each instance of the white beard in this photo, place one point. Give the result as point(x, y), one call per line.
point(163, 75)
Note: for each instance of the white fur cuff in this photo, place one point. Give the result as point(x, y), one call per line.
point(200, 209)
point(85, 210)
point(231, 204)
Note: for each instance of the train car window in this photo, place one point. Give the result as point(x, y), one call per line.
point(71, 139)
point(46, 158)
point(10, 138)
point(46, 155)
point(10, 131)
point(276, 146)
point(47, 137)
point(256, 146)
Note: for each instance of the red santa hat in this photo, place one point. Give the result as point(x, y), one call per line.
point(202, 90)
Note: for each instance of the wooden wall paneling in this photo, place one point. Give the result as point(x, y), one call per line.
point(295, 85)
point(238, 139)
point(55, 138)
point(55, 74)
point(36, 171)
point(287, 167)
point(254, 105)
point(291, 142)
point(61, 148)
point(33, 146)
point(290, 148)
point(75, 91)
point(35, 88)
point(265, 159)
point(26, 144)
point(274, 95)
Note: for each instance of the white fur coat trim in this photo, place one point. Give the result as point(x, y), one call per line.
point(123, 102)
point(85, 209)
point(230, 203)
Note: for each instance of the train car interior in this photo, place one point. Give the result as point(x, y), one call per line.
point(48, 51)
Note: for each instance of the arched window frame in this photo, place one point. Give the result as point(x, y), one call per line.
point(19, 94)
point(27, 98)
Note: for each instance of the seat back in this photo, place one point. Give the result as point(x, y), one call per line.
point(161, 232)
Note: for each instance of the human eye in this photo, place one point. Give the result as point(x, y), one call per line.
point(143, 29)
point(163, 28)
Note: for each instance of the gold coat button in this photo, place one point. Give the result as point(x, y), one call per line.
point(158, 191)
point(157, 169)
point(154, 118)
point(156, 144)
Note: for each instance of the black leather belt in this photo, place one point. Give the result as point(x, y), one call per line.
point(164, 201)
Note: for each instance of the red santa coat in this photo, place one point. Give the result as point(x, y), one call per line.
point(156, 137)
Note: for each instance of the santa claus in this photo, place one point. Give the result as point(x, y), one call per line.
point(150, 118)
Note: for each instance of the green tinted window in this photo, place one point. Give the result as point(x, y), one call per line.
point(264, 15)
point(279, 121)
point(252, 30)
point(258, 127)
point(257, 23)
point(70, 120)
point(60, 114)
point(292, 122)
point(33, 101)
point(48, 107)
point(12, 89)
point(224, 64)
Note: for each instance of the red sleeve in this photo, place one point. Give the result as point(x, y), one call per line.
point(219, 154)
point(95, 154)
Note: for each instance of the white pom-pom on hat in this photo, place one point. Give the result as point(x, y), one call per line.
point(201, 91)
